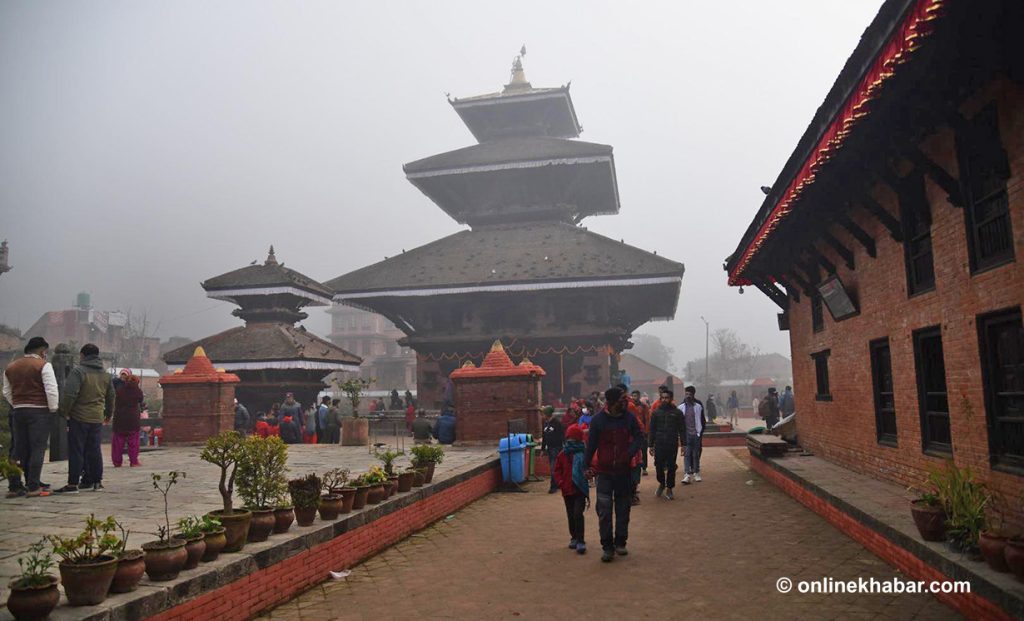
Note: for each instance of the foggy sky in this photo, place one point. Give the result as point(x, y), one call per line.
point(147, 146)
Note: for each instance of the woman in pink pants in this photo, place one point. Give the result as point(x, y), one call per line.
point(127, 409)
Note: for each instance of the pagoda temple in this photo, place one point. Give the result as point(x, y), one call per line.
point(525, 273)
point(269, 354)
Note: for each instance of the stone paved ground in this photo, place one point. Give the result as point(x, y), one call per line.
point(707, 555)
point(130, 496)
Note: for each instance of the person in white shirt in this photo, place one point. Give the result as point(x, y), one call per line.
point(30, 386)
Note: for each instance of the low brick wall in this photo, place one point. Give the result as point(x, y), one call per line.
point(909, 556)
point(240, 586)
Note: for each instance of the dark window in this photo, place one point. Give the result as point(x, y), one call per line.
point(885, 402)
point(1001, 337)
point(821, 375)
point(817, 314)
point(931, 391)
point(984, 170)
point(917, 235)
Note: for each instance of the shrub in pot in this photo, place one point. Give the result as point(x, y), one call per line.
point(305, 495)
point(34, 593)
point(387, 459)
point(213, 537)
point(331, 502)
point(405, 480)
point(427, 456)
point(376, 479)
point(965, 500)
point(362, 491)
point(190, 529)
point(418, 476)
point(165, 557)
point(224, 451)
point(131, 566)
point(929, 516)
point(261, 481)
point(88, 564)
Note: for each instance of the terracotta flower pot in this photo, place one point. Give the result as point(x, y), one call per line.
point(195, 548)
point(304, 516)
point(236, 527)
point(348, 498)
point(283, 518)
point(27, 603)
point(130, 567)
point(330, 507)
point(405, 481)
point(993, 547)
point(376, 495)
point(261, 525)
point(930, 520)
point(392, 485)
point(360, 500)
point(418, 478)
point(164, 561)
point(1013, 554)
point(428, 476)
point(215, 542)
point(87, 584)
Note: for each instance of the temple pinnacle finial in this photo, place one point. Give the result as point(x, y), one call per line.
point(518, 79)
point(199, 352)
point(271, 259)
point(497, 346)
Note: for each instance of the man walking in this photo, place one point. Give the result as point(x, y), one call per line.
point(321, 419)
point(770, 407)
point(241, 419)
point(642, 412)
point(787, 405)
point(667, 434)
point(693, 417)
point(30, 386)
point(734, 407)
point(87, 403)
point(551, 444)
point(615, 437)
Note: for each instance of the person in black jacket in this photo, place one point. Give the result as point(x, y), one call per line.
point(667, 433)
point(551, 444)
point(290, 432)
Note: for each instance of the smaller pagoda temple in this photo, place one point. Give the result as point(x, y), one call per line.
point(270, 354)
point(489, 397)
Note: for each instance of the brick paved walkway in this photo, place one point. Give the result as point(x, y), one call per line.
point(707, 555)
point(130, 496)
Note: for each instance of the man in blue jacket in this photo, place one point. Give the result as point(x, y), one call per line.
point(615, 437)
point(444, 428)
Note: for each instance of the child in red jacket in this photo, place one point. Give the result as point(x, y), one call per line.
point(571, 479)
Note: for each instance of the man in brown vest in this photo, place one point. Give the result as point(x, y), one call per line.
point(30, 386)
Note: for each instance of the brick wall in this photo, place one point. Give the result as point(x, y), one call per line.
point(485, 406)
point(843, 430)
point(279, 582)
point(195, 412)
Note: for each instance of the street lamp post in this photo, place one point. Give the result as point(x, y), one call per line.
point(707, 357)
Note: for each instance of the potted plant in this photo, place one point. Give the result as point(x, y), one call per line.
point(993, 540)
point(213, 537)
point(130, 566)
point(418, 475)
point(387, 458)
point(929, 516)
point(261, 481)
point(305, 495)
point(34, 593)
point(284, 513)
point(166, 556)
point(427, 456)
point(190, 530)
point(965, 500)
point(362, 491)
point(223, 451)
point(331, 502)
point(376, 479)
point(405, 480)
point(88, 564)
point(336, 483)
point(355, 430)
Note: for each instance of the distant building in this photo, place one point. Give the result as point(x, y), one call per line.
point(4, 265)
point(374, 339)
point(646, 377)
point(109, 330)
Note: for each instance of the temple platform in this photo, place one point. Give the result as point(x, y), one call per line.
point(287, 563)
point(877, 515)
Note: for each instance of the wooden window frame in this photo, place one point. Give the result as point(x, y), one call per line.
point(916, 221)
point(999, 458)
point(883, 436)
point(928, 447)
point(817, 313)
point(821, 362)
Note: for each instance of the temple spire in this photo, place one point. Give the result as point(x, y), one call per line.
point(271, 259)
point(518, 80)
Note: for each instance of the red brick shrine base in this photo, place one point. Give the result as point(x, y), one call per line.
point(498, 391)
point(876, 514)
point(239, 586)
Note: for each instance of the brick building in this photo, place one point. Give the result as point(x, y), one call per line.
point(374, 339)
point(893, 241)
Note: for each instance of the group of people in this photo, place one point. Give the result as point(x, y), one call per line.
point(90, 398)
point(318, 424)
point(442, 430)
point(770, 407)
point(607, 440)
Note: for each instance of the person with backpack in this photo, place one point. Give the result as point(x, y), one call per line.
point(768, 409)
point(569, 473)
